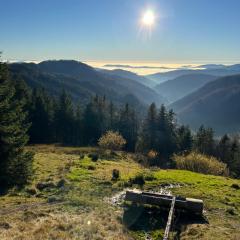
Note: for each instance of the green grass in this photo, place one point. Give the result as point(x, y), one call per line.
point(85, 212)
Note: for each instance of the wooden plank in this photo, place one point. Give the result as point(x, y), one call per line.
point(188, 204)
point(170, 218)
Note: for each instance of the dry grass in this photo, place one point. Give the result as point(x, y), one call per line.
point(200, 163)
point(84, 212)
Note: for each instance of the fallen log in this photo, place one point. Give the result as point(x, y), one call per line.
point(188, 204)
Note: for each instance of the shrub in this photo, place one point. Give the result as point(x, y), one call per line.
point(115, 174)
point(91, 167)
point(152, 157)
point(235, 186)
point(197, 162)
point(112, 140)
point(152, 154)
point(138, 179)
point(149, 176)
point(93, 156)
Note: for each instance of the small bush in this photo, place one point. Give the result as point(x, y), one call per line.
point(152, 158)
point(200, 163)
point(82, 156)
point(115, 174)
point(231, 211)
point(152, 154)
point(91, 167)
point(93, 156)
point(149, 176)
point(235, 186)
point(138, 179)
point(112, 140)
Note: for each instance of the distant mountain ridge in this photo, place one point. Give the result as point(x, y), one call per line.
point(183, 85)
point(83, 82)
point(130, 75)
point(216, 104)
point(209, 69)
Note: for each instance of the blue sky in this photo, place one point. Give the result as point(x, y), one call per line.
point(186, 31)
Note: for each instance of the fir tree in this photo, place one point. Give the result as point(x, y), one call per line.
point(204, 141)
point(128, 127)
point(64, 119)
point(185, 139)
point(148, 136)
point(15, 163)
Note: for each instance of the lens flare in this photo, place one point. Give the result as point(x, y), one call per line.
point(148, 18)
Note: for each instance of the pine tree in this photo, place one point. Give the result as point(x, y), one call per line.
point(148, 136)
point(15, 163)
point(204, 141)
point(78, 127)
point(128, 126)
point(185, 139)
point(166, 133)
point(41, 115)
point(223, 149)
point(234, 163)
point(64, 120)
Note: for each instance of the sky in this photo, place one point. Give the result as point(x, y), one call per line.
point(110, 31)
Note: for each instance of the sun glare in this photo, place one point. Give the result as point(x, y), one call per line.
point(148, 18)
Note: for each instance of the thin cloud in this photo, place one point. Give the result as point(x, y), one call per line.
point(135, 67)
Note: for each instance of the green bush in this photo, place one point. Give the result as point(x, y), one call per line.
point(138, 179)
point(115, 174)
point(93, 156)
point(200, 163)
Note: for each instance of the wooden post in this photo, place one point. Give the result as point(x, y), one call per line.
point(170, 217)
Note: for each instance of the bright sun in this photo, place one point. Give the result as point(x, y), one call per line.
point(148, 18)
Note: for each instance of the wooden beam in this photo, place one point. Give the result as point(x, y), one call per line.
point(189, 204)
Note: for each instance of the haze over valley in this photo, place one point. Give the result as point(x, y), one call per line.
point(119, 120)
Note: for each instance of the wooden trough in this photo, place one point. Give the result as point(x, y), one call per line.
point(188, 204)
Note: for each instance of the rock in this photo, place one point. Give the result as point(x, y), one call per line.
point(5, 225)
point(231, 211)
point(42, 185)
point(235, 186)
point(31, 191)
point(52, 199)
point(61, 183)
point(39, 195)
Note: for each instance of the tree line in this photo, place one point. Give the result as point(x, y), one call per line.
point(33, 116)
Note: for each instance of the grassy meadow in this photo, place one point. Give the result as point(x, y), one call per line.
point(70, 197)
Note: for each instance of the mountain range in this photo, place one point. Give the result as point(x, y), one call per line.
point(82, 82)
point(181, 86)
point(216, 105)
point(209, 69)
point(198, 96)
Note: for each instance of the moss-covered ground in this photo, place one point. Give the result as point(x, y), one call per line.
point(76, 202)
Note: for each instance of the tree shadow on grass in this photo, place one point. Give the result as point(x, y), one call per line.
point(150, 218)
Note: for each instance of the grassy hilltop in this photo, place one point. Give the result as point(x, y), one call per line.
point(69, 197)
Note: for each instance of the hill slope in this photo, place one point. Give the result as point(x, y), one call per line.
point(82, 202)
point(216, 104)
point(130, 75)
point(82, 82)
point(181, 86)
point(210, 69)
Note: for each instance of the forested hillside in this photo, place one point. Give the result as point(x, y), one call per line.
point(179, 87)
point(216, 104)
point(83, 82)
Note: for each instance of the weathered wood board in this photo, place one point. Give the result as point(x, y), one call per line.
point(188, 204)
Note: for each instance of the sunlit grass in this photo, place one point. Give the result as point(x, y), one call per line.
point(84, 212)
